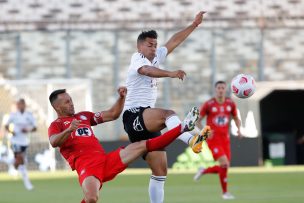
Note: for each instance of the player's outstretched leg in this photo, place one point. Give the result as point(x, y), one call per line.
point(164, 140)
point(136, 149)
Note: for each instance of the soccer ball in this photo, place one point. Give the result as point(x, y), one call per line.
point(243, 86)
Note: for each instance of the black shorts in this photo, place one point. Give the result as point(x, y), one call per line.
point(18, 148)
point(134, 125)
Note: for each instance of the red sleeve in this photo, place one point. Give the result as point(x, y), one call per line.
point(204, 109)
point(94, 118)
point(54, 129)
point(234, 109)
point(90, 117)
point(98, 118)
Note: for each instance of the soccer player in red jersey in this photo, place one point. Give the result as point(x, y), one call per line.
point(219, 111)
point(72, 133)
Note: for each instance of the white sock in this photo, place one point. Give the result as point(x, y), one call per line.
point(23, 171)
point(156, 189)
point(172, 122)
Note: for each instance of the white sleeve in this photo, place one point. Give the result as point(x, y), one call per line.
point(9, 119)
point(138, 60)
point(32, 120)
point(161, 53)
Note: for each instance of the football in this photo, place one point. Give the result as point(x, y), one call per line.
point(243, 86)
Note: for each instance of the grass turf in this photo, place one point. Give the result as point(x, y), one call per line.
point(279, 187)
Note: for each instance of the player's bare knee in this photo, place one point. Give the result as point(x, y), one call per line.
point(168, 113)
point(224, 164)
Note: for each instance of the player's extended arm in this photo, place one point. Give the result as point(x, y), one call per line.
point(159, 73)
point(114, 112)
point(180, 36)
point(237, 122)
point(57, 140)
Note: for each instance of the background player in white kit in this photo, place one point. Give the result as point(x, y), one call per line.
point(141, 119)
point(23, 123)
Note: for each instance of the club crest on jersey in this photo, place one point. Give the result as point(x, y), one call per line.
point(228, 108)
point(82, 117)
point(214, 109)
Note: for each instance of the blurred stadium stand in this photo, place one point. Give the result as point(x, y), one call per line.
point(95, 39)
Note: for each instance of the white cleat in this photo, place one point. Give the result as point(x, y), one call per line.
point(28, 185)
point(188, 123)
point(228, 196)
point(198, 174)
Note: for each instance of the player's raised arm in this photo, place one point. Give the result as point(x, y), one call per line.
point(180, 36)
point(159, 73)
point(114, 112)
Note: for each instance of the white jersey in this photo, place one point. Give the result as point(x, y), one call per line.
point(142, 89)
point(21, 121)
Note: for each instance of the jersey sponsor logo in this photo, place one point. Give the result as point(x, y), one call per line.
point(82, 117)
point(83, 132)
point(228, 108)
point(66, 122)
point(220, 120)
point(137, 125)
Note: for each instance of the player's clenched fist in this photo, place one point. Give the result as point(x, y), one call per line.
point(74, 125)
point(180, 74)
point(199, 18)
point(122, 91)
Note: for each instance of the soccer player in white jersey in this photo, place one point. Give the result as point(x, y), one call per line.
point(141, 119)
point(22, 123)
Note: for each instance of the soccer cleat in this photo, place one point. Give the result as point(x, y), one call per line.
point(197, 140)
point(228, 196)
point(188, 123)
point(198, 174)
point(28, 185)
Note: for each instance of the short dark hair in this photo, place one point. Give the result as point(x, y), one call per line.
point(219, 82)
point(53, 96)
point(146, 34)
point(21, 100)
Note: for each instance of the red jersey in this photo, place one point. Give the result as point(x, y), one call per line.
point(218, 115)
point(82, 140)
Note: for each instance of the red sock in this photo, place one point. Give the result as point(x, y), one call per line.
point(213, 169)
point(223, 178)
point(82, 201)
point(163, 140)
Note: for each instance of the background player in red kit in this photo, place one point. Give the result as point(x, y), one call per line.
point(72, 133)
point(219, 111)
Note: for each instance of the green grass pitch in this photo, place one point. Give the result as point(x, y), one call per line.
point(252, 187)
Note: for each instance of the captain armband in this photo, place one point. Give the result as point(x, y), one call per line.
point(98, 117)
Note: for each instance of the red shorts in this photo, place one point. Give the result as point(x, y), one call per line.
point(102, 166)
point(219, 148)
